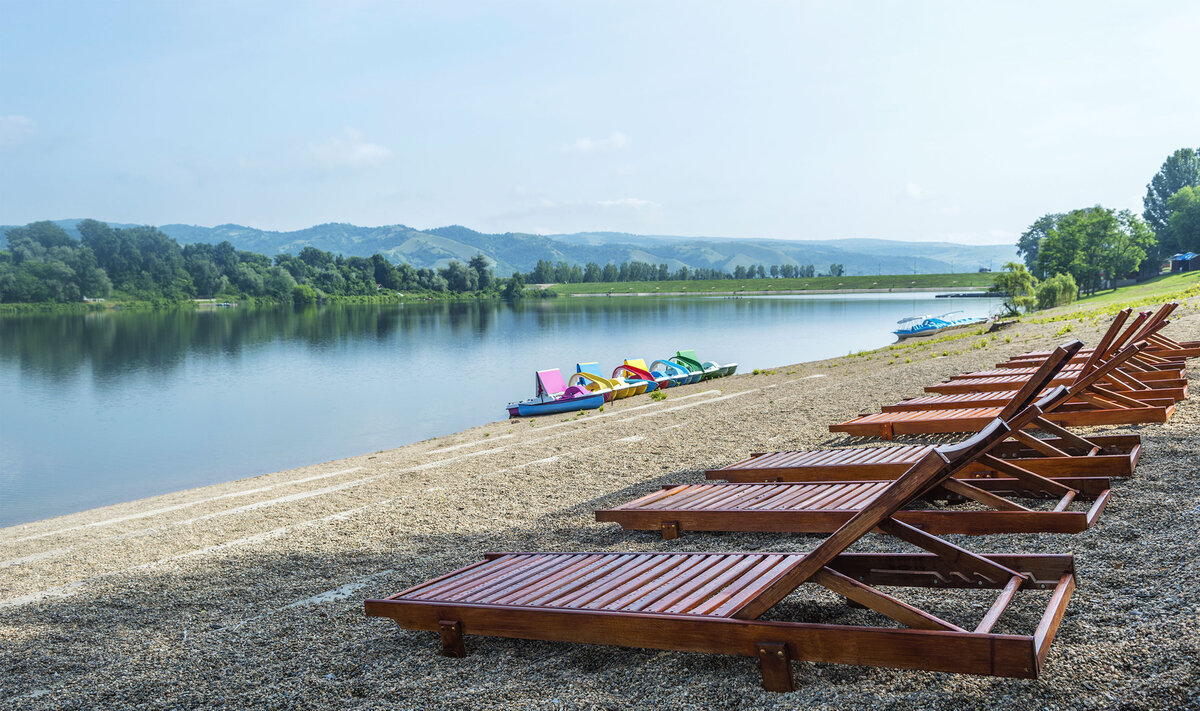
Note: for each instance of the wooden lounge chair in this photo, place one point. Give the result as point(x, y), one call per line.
point(1090, 405)
point(1097, 455)
point(1160, 346)
point(713, 602)
point(1141, 372)
point(818, 507)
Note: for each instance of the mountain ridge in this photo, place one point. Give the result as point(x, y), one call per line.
point(518, 251)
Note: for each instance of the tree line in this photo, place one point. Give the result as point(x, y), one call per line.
point(547, 272)
point(43, 263)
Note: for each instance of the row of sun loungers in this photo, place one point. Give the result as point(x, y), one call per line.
point(719, 602)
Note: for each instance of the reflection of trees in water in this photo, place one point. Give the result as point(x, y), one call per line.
point(115, 343)
point(56, 347)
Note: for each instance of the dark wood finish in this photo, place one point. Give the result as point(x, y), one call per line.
point(938, 650)
point(452, 638)
point(776, 666)
point(1117, 456)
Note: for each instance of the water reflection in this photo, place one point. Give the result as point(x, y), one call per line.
point(107, 407)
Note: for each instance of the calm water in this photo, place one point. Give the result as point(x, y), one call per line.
point(110, 407)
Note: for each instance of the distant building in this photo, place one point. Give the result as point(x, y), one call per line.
point(1185, 262)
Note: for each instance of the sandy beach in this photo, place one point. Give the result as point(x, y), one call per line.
point(249, 594)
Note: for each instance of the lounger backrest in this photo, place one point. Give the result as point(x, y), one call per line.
point(550, 382)
point(1119, 342)
point(1160, 317)
point(587, 367)
point(1106, 341)
point(1086, 380)
point(1041, 378)
point(637, 363)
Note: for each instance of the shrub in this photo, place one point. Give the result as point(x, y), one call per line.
point(1058, 290)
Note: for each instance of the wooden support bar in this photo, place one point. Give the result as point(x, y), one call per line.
point(776, 666)
point(452, 638)
point(1065, 435)
point(1129, 382)
point(1066, 501)
point(1053, 616)
point(1034, 443)
point(1036, 481)
point(949, 552)
point(1118, 397)
point(882, 603)
point(1098, 402)
point(670, 530)
point(998, 607)
point(987, 498)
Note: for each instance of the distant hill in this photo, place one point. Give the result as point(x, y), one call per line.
point(516, 251)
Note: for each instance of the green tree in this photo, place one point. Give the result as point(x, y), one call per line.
point(836, 269)
point(1180, 170)
point(459, 277)
point(1017, 284)
point(1095, 243)
point(1027, 243)
point(1185, 219)
point(514, 289)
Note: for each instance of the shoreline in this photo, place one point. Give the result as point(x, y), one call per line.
point(146, 601)
point(780, 292)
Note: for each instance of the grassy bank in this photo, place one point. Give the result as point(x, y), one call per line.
point(1171, 287)
point(970, 280)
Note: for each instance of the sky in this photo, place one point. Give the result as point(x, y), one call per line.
point(940, 121)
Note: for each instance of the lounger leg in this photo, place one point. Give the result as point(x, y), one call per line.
point(670, 530)
point(452, 638)
point(776, 666)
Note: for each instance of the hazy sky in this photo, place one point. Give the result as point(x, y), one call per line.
point(908, 120)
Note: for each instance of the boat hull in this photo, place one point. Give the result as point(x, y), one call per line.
point(925, 333)
point(586, 402)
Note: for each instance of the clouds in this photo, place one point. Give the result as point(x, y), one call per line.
point(15, 130)
point(634, 203)
point(916, 192)
point(349, 149)
point(616, 141)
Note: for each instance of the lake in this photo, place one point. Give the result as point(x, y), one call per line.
point(107, 407)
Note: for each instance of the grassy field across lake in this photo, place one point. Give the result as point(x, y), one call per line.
point(969, 280)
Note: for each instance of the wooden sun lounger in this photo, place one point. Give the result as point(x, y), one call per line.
point(1152, 381)
point(818, 507)
point(1092, 405)
point(713, 602)
point(1105, 456)
point(1144, 366)
point(1159, 345)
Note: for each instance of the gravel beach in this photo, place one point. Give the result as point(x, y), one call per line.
point(249, 594)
